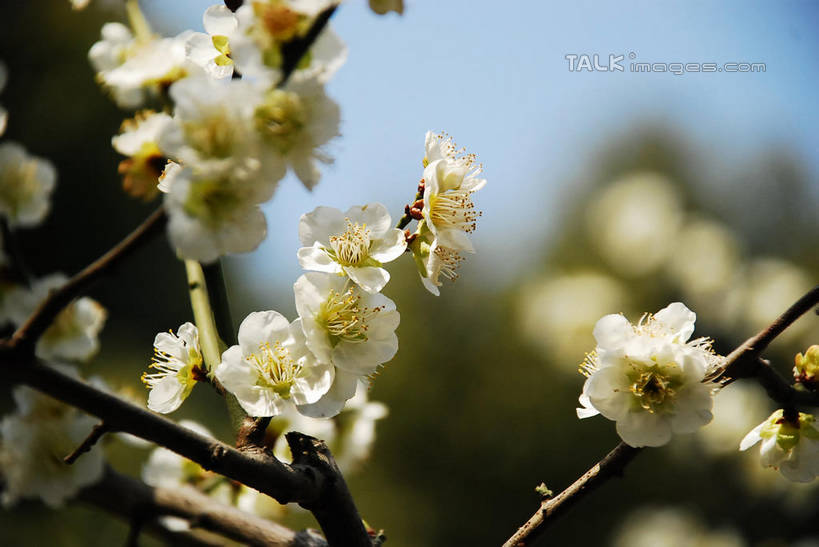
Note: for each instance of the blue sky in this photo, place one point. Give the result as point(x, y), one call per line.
point(494, 75)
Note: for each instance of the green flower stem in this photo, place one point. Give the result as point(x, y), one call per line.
point(203, 316)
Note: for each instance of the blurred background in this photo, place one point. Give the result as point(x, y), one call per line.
point(608, 192)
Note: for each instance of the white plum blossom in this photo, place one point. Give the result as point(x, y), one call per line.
point(356, 243)
point(139, 141)
point(648, 377)
point(178, 364)
point(265, 25)
point(448, 213)
point(272, 366)
point(212, 214)
point(33, 443)
point(211, 50)
point(295, 122)
point(792, 446)
point(74, 333)
point(352, 329)
point(214, 130)
point(355, 427)
point(130, 66)
point(26, 184)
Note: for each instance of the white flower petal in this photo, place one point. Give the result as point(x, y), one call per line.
point(370, 278)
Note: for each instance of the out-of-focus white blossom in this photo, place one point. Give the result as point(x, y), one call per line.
point(633, 222)
point(139, 141)
point(211, 214)
point(557, 314)
point(648, 377)
point(671, 527)
point(178, 364)
point(214, 130)
point(355, 427)
point(131, 66)
point(74, 333)
point(705, 259)
point(295, 123)
point(347, 327)
point(26, 184)
point(272, 366)
point(33, 442)
point(264, 26)
point(790, 446)
point(356, 243)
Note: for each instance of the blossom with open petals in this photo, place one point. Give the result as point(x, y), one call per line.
point(272, 366)
point(26, 184)
point(434, 260)
point(295, 122)
point(792, 446)
point(74, 333)
point(356, 243)
point(177, 361)
point(348, 327)
point(139, 141)
point(33, 442)
point(211, 214)
point(211, 49)
point(648, 377)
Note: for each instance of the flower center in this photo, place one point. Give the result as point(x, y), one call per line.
point(213, 135)
point(448, 261)
point(277, 368)
point(212, 201)
point(220, 43)
point(280, 119)
point(655, 387)
point(344, 318)
point(454, 209)
point(352, 247)
point(165, 365)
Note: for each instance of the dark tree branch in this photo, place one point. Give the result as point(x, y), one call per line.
point(611, 465)
point(313, 480)
point(26, 336)
point(743, 362)
point(295, 49)
point(89, 442)
point(141, 504)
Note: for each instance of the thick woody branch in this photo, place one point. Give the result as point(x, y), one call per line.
point(313, 480)
point(140, 503)
point(26, 336)
point(610, 466)
point(743, 362)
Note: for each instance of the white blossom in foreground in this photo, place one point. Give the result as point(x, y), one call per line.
point(352, 329)
point(790, 446)
point(211, 214)
point(139, 141)
point(214, 130)
point(648, 377)
point(74, 333)
point(211, 50)
point(264, 26)
point(272, 366)
point(355, 243)
point(33, 443)
point(295, 122)
point(26, 184)
point(178, 364)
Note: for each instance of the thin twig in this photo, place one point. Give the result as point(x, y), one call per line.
point(96, 434)
point(295, 49)
point(26, 336)
point(611, 465)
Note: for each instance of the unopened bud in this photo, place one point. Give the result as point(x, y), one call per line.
point(806, 367)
